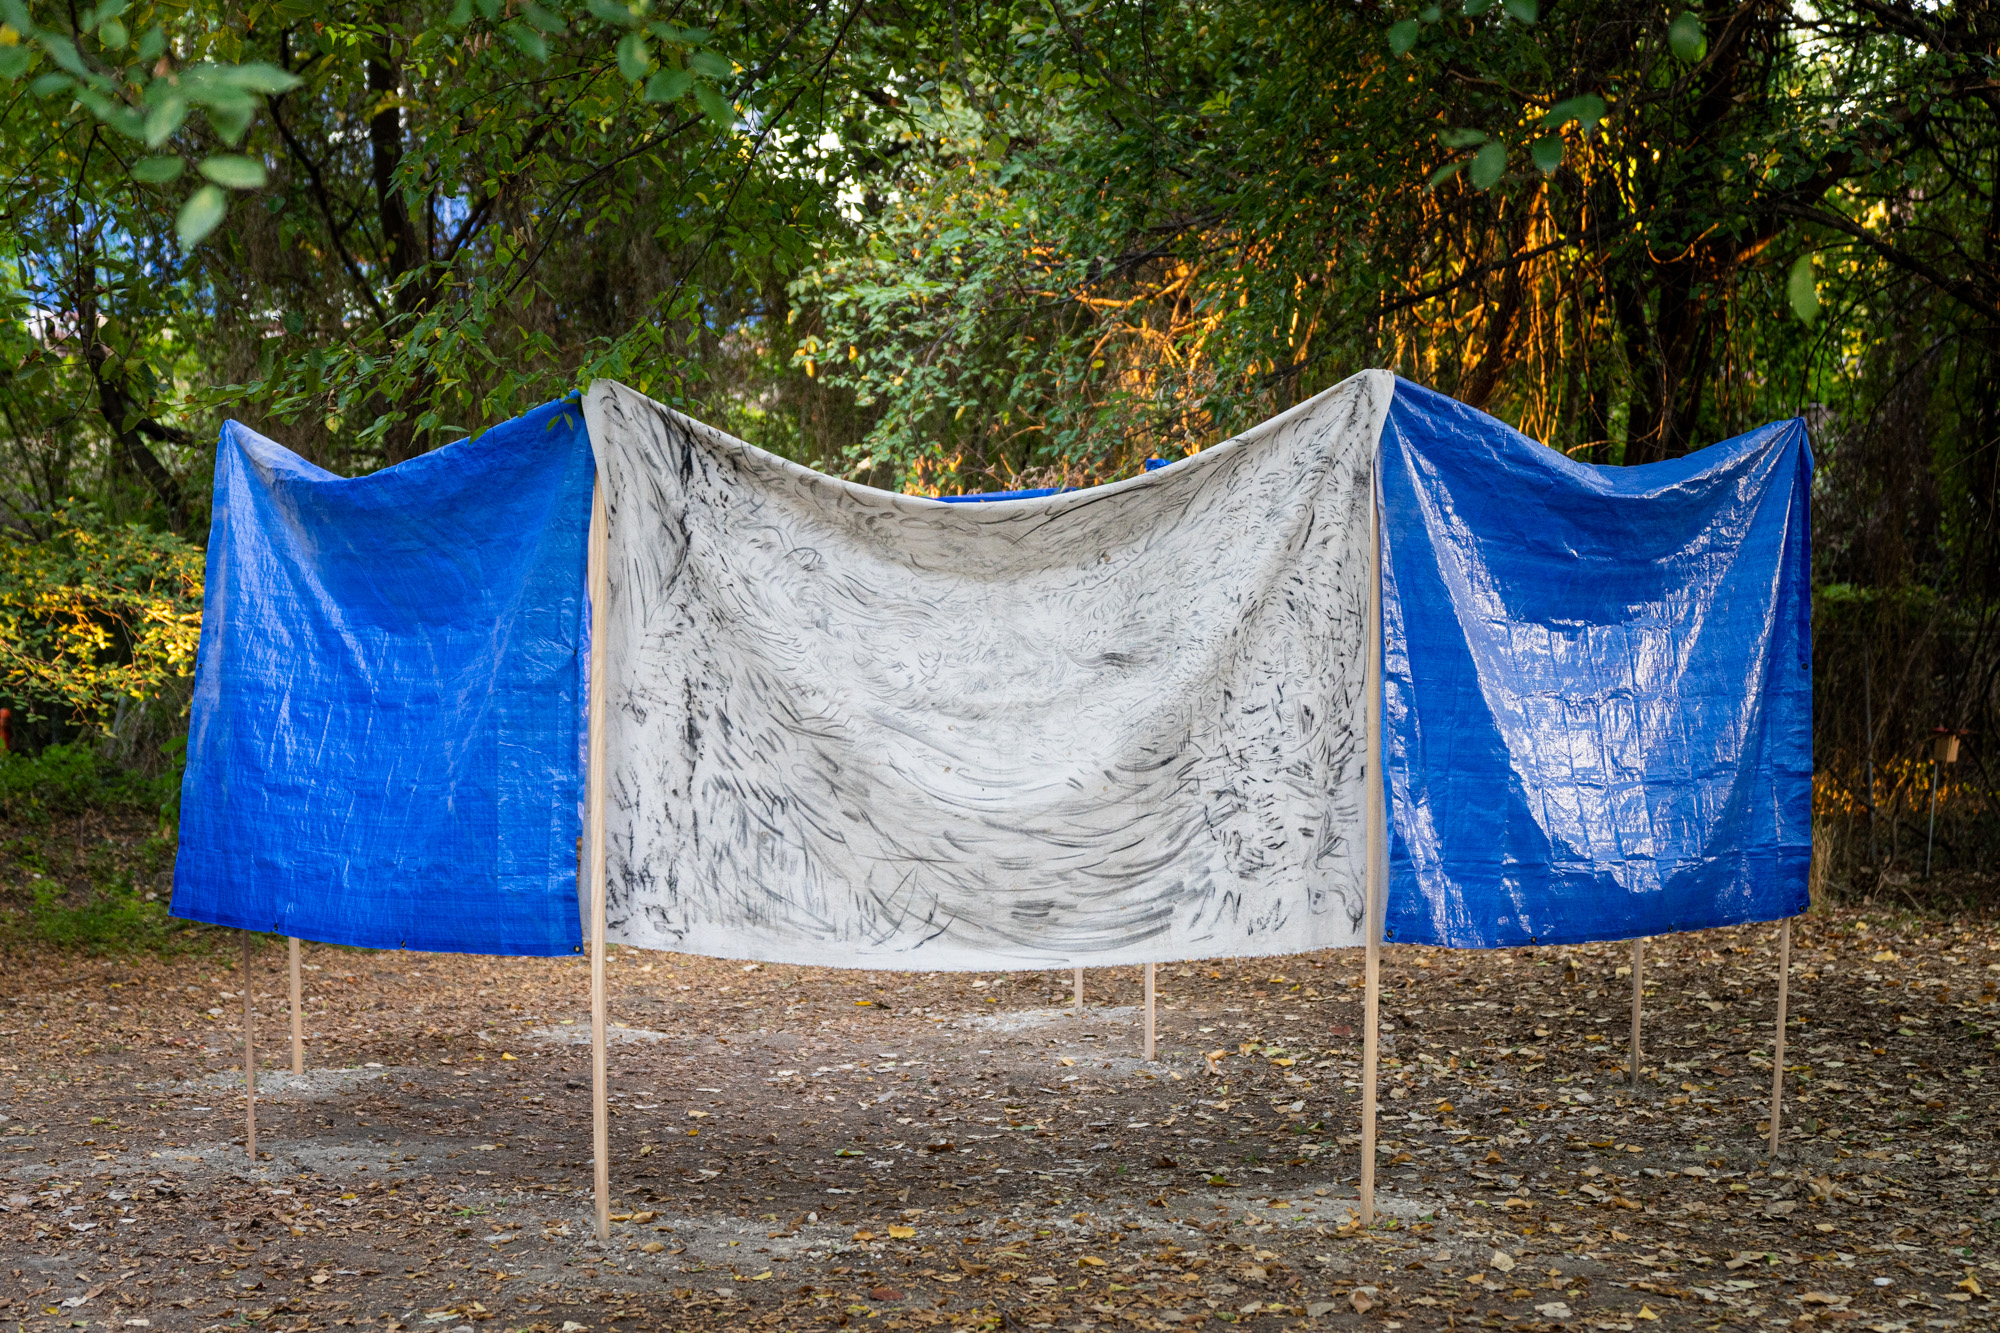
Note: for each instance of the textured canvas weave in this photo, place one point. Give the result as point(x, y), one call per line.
point(383, 749)
point(1109, 726)
point(1598, 683)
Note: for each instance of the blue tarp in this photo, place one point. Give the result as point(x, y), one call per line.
point(384, 745)
point(1597, 681)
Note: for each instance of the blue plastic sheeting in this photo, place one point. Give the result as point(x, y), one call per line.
point(1598, 683)
point(384, 747)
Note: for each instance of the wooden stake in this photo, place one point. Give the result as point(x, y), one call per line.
point(1149, 1012)
point(1079, 992)
point(1638, 990)
point(1778, 1049)
point(600, 1123)
point(298, 1014)
point(249, 1061)
point(1377, 852)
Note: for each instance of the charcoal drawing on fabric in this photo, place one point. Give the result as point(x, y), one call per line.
point(1111, 726)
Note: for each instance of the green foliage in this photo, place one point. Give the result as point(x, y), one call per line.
point(69, 780)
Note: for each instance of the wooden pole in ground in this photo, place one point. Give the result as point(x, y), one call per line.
point(1778, 1048)
point(1149, 1012)
point(1638, 991)
point(249, 1061)
point(1377, 853)
point(600, 1123)
point(298, 1013)
point(1079, 993)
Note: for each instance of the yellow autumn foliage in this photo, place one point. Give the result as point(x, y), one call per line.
point(93, 615)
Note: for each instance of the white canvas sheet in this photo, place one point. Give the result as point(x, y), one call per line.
point(853, 728)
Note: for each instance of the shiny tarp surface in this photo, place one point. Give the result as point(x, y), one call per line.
point(1598, 683)
point(384, 742)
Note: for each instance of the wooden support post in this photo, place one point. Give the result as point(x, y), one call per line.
point(1079, 993)
point(1377, 856)
point(249, 1061)
point(1638, 991)
point(1778, 1048)
point(1149, 1012)
point(600, 1124)
point(298, 1013)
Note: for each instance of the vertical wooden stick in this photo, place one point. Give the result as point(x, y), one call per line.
point(298, 1013)
point(249, 1061)
point(1079, 993)
point(1778, 1049)
point(600, 1123)
point(1149, 1012)
point(1638, 990)
point(1377, 854)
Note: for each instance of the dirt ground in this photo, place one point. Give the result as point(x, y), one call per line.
point(800, 1148)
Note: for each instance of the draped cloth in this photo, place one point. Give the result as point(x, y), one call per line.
point(863, 729)
point(384, 742)
point(1598, 683)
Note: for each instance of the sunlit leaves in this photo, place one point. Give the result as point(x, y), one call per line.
point(1801, 292)
point(200, 215)
point(1686, 39)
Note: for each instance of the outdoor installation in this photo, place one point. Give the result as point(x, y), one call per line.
point(1598, 683)
point(1120, 725)
point(385, 734)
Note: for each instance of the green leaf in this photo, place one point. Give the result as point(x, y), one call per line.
point(1461, 138)
point(1489, 164)
point(1686, 39)
point(531, 43)
point(710, 64)
point(714, 105)
point(461, 14)
point(200, 215)
point(1801, 291)
point(1429, 14)
point(1444, 173)
point(490, 8)
point(1547, 152)
point(257, 77)
point(543, 19)
point(112, 33)
point(1525, 11)
point(157, 170)
point(633, 58)
point(1474, 8)
point(668, 85)
point(1586, 111)
point(150, 46)
point(14, 61)
point(667, 32)
point(614, 13)
point(1403, 36)
point(108, 11)
point(51, 83)
point(238, 173)
point(63, 51)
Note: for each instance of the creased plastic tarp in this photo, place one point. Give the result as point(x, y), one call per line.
point(384, 742)
point(1114, 725)
point(1597, 682)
